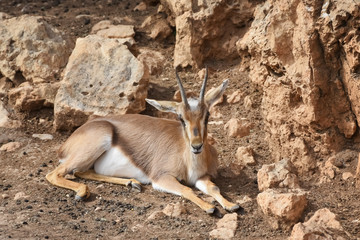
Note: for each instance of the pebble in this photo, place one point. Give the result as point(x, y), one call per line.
point(11, 146)
point(5, 196)
point(43, 136)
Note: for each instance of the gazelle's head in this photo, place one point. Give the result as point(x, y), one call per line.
point(193, 113)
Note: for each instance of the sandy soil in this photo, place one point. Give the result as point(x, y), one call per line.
point(116, 212)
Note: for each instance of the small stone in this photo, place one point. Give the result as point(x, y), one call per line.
point(5, 196)
point(98, 209)
point(244, 200)
point(237, 128)
point(347, 175)
point(235, 97)
point(43, 136)
point(245, 156)
point(156, 215)
point(11, 146)
point(153, 60)
point(248, 102)
point(140, 7)
point(117, 31)
point(20, 195)
point(225, 227)
point(174, 210)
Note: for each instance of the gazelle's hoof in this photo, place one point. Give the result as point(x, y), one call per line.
point(136, 186)
point(233, 208)
point(210, 210)
point(82, 194)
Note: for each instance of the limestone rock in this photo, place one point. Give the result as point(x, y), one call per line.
point(225, 227)
point(174, 210)
point(322, 225)
point(43, 136)
point(10, 147)
point(156, 215)
point(5, 85)
point(245, 156)
point(156, 27)
point(5, 121)
point(104, 24)
point(347, 175)
point(237, 128)
point(117, 31)
point(280, 174)
point(140, 7)
point(27, 97)
point(282, 209)
point(153, 60)
point(20, 195)
point(235, 97)
point(206, 29)
point(292, 51)
point(248, 103)
point(102, 77)
point(32, 50)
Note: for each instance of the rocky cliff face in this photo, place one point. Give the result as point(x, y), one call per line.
point(304, 55)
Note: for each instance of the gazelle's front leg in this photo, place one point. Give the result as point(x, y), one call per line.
point(171, 185)
point(206, 186)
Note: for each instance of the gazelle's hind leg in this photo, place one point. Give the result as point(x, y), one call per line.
point(79, 153)
point(56, 178)
point(92, 175)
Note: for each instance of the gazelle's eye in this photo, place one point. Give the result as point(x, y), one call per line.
point(182, 121)
point(207, 117)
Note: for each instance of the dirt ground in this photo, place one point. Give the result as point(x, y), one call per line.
point(116, 212)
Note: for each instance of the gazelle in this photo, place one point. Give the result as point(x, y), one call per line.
point(132, 149)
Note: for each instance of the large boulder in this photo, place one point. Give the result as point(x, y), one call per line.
point(207, 29)
point(32, 50)
point(102, 77)
point(304, 56)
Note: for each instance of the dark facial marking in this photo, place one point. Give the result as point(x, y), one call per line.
point(196, 131)
point(207, 118)
point(182, 121)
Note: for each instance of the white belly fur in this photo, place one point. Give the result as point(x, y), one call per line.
point(116, 164)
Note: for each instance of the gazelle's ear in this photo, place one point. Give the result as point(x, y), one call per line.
point(164, 106)
point(213, 95)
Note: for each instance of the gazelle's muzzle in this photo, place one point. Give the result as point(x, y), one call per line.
point(197, 148)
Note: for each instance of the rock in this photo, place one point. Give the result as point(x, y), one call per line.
point(248, 103)
point(5, 196)
point(43, 136)
point(206, 29)
point(235, 97)
point(174, 210)
point(215, 112)
point(117, 31)
point(189, 94)
point(244, 200)
point(4, 16)
point(282, 209)
point(102, 77)
point(280, 174)
point(225, 227)
point(156, 27)
point(156, 215)
point(5, 85)
point(328, 169)
point(237, 128)
point(211, 139)
point(281, 54)
point(140, 7)
point(28, 45)
point(357, 173)
point(10, 147)
point(347, 175)
point(153, 60)
point(322, 225)
point(27, 97)
point(104, 24)
point(20, 195)
point(245, 156)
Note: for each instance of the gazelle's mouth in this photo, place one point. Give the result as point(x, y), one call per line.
point(197, 149)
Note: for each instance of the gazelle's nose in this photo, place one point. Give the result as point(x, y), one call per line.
point(197, 148)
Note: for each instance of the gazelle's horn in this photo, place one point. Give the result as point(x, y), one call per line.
point(202, 91)
point(182, 91)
